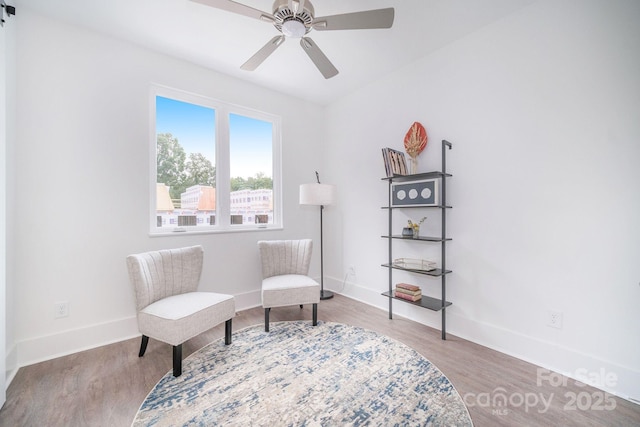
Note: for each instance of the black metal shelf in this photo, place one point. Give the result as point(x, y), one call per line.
point(434, 304)
point(422, 238)
point(435, 272)
point(416, 206)
point(416, 176)
point(426, 302)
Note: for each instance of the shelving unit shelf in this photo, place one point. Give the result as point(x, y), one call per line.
point(435, 304)
point(425, 238)
point(435, 273)
point(427, 302)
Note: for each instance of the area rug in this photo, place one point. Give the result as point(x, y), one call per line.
point(300, 375)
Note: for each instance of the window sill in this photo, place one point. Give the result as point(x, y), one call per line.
point(184, 231)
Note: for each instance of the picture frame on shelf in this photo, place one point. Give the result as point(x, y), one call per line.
point(416, 193)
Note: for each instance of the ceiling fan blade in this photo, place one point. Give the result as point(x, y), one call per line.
point(259, 57)
point(378, 18)
point(239, 8)
point(322, 62)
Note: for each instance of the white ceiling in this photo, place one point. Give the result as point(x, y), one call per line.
point(223, 41)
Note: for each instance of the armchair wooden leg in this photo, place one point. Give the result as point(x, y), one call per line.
point(266, 319)
point(143, 345)
point(177, 360)
point(227, 332)
point(300, 305)
point(315, 314)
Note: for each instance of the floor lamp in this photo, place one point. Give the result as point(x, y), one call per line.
point(319, 195)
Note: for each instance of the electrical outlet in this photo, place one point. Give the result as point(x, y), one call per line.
point(61, 309)
point(554, 319)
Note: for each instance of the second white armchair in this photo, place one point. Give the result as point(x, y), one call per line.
point(285, 265)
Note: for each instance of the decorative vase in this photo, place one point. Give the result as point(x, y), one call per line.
point(407, 232)
point(413, 165)
point(416, 233)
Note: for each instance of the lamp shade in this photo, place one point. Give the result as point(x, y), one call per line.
point(317, 194)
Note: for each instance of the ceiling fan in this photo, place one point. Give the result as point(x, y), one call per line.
point(295, 19)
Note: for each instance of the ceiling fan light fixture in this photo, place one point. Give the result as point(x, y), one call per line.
point(293, 28)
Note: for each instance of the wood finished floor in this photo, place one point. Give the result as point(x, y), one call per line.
point(105, 386)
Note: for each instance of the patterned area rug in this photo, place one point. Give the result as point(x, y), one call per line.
point(300, 375)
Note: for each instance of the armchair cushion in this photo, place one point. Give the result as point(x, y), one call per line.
point(177, 318)
point(289, 289)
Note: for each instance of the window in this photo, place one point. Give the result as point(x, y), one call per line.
point(214, 166)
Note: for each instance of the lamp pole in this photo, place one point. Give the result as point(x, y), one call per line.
point(323, 294)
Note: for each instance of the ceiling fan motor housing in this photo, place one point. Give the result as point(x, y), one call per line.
point(292, 23)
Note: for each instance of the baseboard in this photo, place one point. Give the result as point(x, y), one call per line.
point(71, 341)
point(248, 300)
point(578, 366)
point(39, 349)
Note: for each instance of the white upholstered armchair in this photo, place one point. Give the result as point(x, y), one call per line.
point(170, 309)
point(285, 264)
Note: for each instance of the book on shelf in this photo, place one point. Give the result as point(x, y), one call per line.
point(408, 286)
point(394, 162)
point(408, 292)
point(387, 167)
point(408, 297)
point(400, 162)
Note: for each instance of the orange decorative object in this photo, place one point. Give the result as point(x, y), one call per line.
point(414, 142)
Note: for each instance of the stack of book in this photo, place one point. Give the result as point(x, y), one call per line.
point(394, 162)
point(408, 292)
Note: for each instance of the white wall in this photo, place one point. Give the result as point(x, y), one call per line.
point(541, 107)
point(80, 184)
point(543, 110)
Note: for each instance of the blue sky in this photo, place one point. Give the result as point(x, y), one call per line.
point(194, 127)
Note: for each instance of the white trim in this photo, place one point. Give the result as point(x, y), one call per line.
point(47, 347)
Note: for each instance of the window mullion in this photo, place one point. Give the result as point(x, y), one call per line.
point(277, 172)
point(223, 180)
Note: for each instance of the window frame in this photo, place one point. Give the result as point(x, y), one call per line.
point(223, 110)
